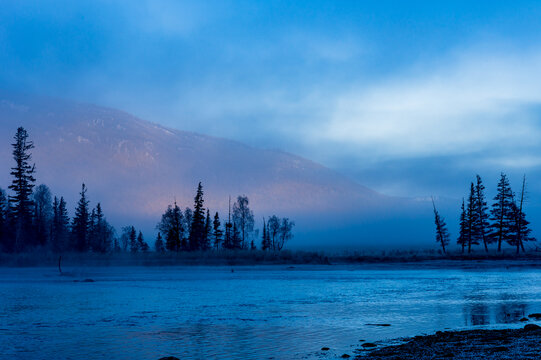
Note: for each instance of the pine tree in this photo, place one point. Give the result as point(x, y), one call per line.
point(442, 234)
point(134, 245)
point(81, 223)
point(159, 245)
point(502, 214)
point(482, 225)
point(520, 225)
point(217, 231)
point(197, 231)
point(208, 230)
point(3, 220)
point(471, 217)
point(101, 234)
point(60, 228)
point(463, 234)
point(141, 243)
point(228, 241)
point(22, 185)
point(172, 226)
point(43, 213)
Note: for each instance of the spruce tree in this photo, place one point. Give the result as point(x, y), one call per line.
point(43, 213)
point(134, 245)
point(159, 245)
point(141, 243)
point(3, 220)
point(208, 230)
point(501, 213)
point(81, 223)
point(22, 186)
point(197, 231)
point(471, 216)
point(482, 225)
point(521, 230)
point(442, 234)
point(172, 225)
point(463, 234)
point(60, 227)
point(217, 233)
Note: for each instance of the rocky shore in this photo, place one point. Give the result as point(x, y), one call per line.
point(509, 344)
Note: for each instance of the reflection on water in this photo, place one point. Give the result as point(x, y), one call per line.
point(253, 313)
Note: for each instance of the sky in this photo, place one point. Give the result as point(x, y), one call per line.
point(410, 98)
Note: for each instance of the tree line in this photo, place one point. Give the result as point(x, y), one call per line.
point(195, 229)
point(30, 218)
point(503, 223)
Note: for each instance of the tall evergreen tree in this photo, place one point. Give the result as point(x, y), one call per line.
point(521, 230)
point(471, 217)
point(502, 214)
point(60, 227)
point(159, 245)
point(217, 231)
point(172, 225)
point(3, 220)
point(228, 239)
point(81, 223)
point(208, 232)
point(43, 214)
point(463, 233)
point(197, 231)
point(102, 234)
point(187, 225)
point(482, 225)
point(22, 186)
point(243, 218)
point(141, 243)
point(134, 245)
point(442, 234)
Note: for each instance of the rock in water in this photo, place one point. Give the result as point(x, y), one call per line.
point(532, 327)
point(169, 358)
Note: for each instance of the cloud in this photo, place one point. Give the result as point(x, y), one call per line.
point(473, 102)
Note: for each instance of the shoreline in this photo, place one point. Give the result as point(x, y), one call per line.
point(501, 344)
point(286, 257)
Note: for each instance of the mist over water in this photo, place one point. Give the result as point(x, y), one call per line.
point(258, 312)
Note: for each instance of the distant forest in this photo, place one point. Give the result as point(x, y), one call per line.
point(31, 219)
point(505, 222)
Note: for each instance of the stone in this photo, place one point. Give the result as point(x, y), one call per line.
point(529, 327)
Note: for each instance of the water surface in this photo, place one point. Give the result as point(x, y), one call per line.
point(267, 312)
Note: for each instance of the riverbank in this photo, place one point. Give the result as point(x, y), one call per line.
point(416, 259)
point(464, 345)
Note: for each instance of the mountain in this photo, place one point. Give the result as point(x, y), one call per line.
point(135, 168)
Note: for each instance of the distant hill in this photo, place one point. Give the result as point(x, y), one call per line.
point(136, 168)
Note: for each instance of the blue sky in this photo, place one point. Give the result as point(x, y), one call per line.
point(410, 98)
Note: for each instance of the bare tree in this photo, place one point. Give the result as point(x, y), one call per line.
point(285, 233)
point(243, 218)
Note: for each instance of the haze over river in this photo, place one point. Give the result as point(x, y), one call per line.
point(260, 312)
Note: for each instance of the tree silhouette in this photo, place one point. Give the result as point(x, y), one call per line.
point(502, 213)
point(81, 222)
point(442, 234)
point(22, 186)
